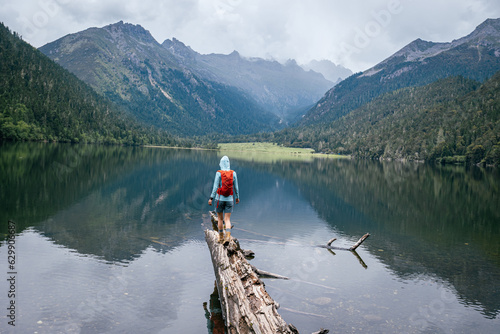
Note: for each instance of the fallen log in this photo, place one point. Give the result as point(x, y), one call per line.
point(246, 305)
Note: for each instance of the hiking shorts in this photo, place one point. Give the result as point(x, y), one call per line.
point(224, 206)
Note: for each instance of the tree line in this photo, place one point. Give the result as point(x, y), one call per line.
point(453, 120)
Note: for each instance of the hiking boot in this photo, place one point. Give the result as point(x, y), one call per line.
point(227, 238)
point(221, 237)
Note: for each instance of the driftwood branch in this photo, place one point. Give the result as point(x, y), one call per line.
point(352, 248)
point(329, 243)
point(360, 241)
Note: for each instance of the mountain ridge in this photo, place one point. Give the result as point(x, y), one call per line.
point(161, 83)
point(331, 71)
point(126, 64)
point(481, 36)
point(475, 56)
point(279, 88)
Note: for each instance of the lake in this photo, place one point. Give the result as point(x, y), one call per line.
point(109, 239)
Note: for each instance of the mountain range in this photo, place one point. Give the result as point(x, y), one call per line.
point(173, 87)
point(452, 120)
point(330, 71)
point(475, 56)
point(428, 101)
point(282, 89)
point(124, 63)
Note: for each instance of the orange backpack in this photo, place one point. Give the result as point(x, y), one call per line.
point(226, 188)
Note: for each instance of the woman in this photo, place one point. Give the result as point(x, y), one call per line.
point(225, 187)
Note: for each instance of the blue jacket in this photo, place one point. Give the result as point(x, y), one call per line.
point(224, 165)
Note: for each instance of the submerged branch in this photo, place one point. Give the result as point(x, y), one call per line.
point(352, 248)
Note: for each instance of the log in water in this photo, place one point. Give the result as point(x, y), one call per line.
point(246, 305)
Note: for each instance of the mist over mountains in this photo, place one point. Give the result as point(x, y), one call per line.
point(279, 88)
point(173, 87)
point(332, 72)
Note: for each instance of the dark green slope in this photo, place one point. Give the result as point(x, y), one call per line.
point(39, 100)
point(451, 120)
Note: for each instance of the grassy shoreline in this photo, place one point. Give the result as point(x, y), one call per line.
point(258, 151)
point(263, 147)
point(250, 150)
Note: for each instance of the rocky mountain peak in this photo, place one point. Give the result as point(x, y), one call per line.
point(419, 49)
point(179, 49)
point(490, 26)
point(334, 73)
point(234, 54)
point(487, 33)
point(121, 30)
point(172, 43)
point(418, 45)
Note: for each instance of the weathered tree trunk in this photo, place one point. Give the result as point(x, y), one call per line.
point(246, 305)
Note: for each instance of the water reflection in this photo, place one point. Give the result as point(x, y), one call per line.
point(111, 239)
point(213, 313)
point(427, 220)
point(112, 202)
point(62, 291)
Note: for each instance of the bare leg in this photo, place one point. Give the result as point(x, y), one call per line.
point(220, 223)
point(227, 220)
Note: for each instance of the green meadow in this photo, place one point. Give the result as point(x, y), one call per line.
point(268, 152)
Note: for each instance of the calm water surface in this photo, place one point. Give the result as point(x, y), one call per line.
point(110, 240)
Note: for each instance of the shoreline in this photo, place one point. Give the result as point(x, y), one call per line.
point(261, 148)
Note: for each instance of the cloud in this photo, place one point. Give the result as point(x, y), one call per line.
point(357, 34)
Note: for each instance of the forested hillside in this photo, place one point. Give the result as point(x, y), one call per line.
point(451, 120)
point(39, 100)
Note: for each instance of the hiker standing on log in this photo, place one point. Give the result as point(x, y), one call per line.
point(225, 186)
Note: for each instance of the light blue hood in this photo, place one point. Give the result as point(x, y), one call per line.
point(224, 163)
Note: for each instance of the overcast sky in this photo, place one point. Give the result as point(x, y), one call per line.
point(353, 33)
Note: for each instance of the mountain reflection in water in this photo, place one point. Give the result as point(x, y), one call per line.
point(111, 240)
